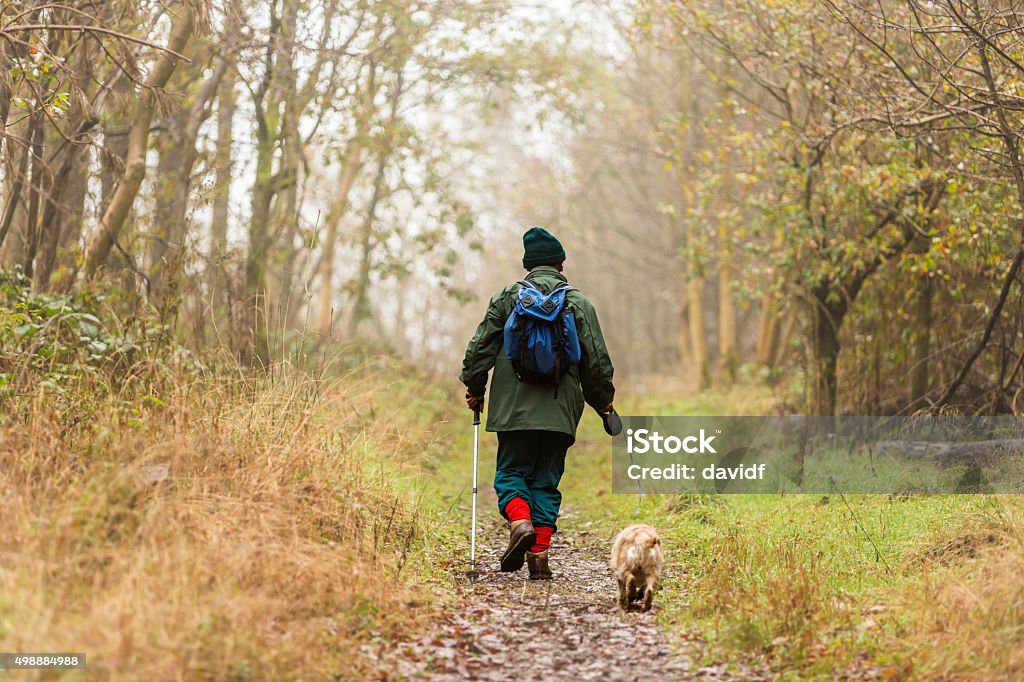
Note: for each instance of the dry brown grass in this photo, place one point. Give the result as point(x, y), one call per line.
point(965, 619)
point(766, 596)
point(791, 586)
point(271, 550)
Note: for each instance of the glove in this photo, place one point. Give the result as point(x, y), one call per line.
point(475, 402)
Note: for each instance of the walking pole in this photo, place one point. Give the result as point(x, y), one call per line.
point(472, 573)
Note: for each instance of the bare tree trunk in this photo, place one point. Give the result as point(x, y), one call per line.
point(11, 223)
point(169, 208)
point(138, 141)
point(922, 340)
point(693, 291)
point(5, 98)
point(698, 338)
point(767, 333)
point(360, 309)
point(178, 155)
point(223, 168)
point(296, 99)
point(693, 285)
point(728, 361)
point(71, 224)
point(827, 322)
point(292, 161)
point(226, 105)
point(399, 325)
point(35, 193)
point(56, 212)
point(353, 164)
point(259, 246)
point(6, 150)
point(785, 334)
point(81, 121)
point(683, 346)
point(268, 102)
point(13, 220)
point(325, 303)
point(115, 140)
point(50, 225)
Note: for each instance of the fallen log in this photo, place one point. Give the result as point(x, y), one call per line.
point(948, 452)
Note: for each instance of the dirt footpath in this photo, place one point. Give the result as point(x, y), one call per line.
point(507, 627)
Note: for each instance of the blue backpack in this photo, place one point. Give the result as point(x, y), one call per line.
point(540, 336)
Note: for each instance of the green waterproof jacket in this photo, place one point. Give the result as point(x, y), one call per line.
point(518, 406)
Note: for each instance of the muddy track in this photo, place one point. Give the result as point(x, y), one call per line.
point(507, 627)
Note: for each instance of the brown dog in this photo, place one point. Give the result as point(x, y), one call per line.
point(636, 564)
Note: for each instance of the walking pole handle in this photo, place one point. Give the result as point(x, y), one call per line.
point(476, 417)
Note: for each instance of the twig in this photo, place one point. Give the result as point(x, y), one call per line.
point(878, 553)
point(1010, 277)
point(7, 30)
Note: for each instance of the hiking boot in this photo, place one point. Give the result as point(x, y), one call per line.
point(538, 565)
point(520, 540)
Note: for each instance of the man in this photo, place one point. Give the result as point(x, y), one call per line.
point(536, 424)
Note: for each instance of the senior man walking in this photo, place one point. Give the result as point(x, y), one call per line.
point(542, 338)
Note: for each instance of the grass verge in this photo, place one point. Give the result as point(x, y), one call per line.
point(225, 528)
point(897, 587)
point(907, 587)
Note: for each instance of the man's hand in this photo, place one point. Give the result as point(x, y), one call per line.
point(475, 402)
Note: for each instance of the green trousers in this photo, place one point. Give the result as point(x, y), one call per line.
point(530, 466)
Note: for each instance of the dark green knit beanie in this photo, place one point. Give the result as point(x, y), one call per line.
point(541, 248)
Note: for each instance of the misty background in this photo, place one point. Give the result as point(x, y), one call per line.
point(748, 191)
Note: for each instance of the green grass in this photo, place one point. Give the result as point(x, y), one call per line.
point(806, 584)
point(797, 580)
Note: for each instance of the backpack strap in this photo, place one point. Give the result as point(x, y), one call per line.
point(564, 285)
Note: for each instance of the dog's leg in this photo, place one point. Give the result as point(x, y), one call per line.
point(623, 595)
point(628, 592)
point(636, 589)
point(648, 594)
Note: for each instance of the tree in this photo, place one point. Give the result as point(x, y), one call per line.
point(956, 75)
point(845, 201)
point(121, 202)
